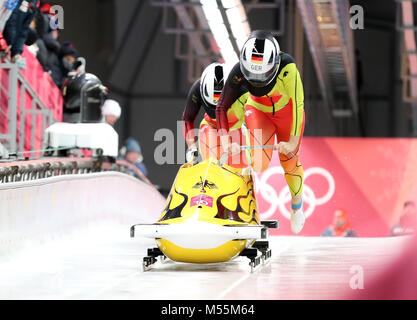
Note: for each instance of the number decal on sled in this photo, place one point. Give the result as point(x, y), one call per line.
point(202, 200)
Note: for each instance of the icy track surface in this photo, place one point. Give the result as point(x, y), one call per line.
point(105, 263)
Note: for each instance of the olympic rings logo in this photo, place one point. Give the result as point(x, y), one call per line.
point(278, 201)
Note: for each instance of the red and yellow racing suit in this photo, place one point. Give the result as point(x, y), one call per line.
point(209, 141)
point(273, 111)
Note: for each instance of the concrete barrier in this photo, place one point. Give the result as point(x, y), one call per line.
point(35, 211)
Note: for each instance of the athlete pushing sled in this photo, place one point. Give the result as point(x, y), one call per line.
point(274, 109)
point(211, 213)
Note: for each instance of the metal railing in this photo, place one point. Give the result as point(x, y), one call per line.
point(28, 170)
point(329, 35)
point(18, 117)
point(194, 41)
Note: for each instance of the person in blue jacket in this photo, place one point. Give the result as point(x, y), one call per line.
point(132, 153)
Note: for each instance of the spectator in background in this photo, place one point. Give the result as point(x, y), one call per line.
point(340, 227)
point(42, 28)
point(111, 111)
point(132, 153)
point(408, 220)
point(17, 28)
point(58, 60)
point(32, 38)
point(68, 55)
point(49, 45)
point(6, 9)
point(45, 9)
point(38, 28)
point(52, 45)
point(63, 63)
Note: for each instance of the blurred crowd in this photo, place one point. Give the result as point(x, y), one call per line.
point(406, 225)
point(35, 24)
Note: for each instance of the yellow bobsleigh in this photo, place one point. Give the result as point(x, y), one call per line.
point(210, 216)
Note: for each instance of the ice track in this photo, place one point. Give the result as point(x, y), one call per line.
point(105, 263)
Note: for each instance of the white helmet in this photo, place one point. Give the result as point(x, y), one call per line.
point(212, 83)
point(259, 58)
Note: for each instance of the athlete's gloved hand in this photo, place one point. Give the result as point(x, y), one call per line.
point(234, 149)
point(192, 155)
point(230, 148)
point(286, 148)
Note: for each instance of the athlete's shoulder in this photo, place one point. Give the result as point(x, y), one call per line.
point(194, 93)
point(236, 75)
point(196, 85)
point(286, 66)
point(243, 95)
point(286, 60)
point(243, 92)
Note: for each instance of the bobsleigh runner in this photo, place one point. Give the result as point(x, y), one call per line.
point(210, 217)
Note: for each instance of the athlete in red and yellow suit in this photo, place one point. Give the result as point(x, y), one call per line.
point(209, 141)
point(273, 111)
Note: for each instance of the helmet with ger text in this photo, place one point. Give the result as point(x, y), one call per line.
point(259, 58)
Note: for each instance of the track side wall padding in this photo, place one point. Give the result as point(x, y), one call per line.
point(35, 211)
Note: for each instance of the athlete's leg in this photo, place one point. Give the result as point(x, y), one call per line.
point(261, 131)
point(209, 141)
point(294, 173)
point(239, 160)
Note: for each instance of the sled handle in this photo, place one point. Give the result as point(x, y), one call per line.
point(225, 155)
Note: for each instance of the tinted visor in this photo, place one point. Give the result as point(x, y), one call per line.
point(256, 79)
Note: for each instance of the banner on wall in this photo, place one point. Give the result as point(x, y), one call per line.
point(370, 178)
